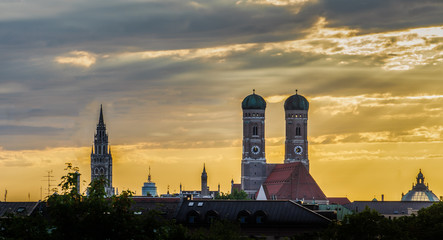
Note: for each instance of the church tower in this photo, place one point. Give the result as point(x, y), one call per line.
point(253, 166)
point(101, 158)
point(296, 116)
point(204, 181)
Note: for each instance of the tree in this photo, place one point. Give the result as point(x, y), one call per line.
point(235, 195)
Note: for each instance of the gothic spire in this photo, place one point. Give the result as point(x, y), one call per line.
point(100, 121)
point(204, 168)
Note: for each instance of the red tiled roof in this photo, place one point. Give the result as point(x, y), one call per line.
point(292, 181)
point(338, 200)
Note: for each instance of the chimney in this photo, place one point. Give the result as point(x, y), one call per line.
point(382, 197)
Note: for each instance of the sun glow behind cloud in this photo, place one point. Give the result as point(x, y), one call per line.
point(399, 50)
point(77, 58)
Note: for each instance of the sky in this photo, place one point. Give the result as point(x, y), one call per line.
point(171, 75)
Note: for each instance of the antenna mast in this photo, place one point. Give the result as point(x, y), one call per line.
point(49, 179)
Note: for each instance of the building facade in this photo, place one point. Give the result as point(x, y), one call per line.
point(101, 158)
point(290, 180)
point(296, 143)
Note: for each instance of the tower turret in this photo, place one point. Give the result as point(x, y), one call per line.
point(296, 116)
point(254, 158)
point(101, 159)
point(204, 182)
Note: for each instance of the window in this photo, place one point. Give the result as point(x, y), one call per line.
point(244, 216)
point(254, 130)
point(260, 217)
point(298, 131)
point(211, 216)
point(193, 216)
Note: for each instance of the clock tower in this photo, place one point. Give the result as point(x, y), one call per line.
point(296, 116)
point(101, 158)
point(253, 167)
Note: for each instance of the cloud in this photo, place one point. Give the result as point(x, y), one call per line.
point(77, 58)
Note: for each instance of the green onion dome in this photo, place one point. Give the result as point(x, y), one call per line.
point(296, 102)
point(253, 101)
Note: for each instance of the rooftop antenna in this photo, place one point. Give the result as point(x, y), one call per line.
point(49, 179)
point(6, 193)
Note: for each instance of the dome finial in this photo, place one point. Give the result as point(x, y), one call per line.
point(253, 91)
point(296, 90)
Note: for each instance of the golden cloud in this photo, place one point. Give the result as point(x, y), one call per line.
point(78, 58)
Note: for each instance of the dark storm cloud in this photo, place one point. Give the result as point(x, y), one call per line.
point(106, 26)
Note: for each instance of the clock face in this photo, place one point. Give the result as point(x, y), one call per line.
point(255, 149)
point(298, 150)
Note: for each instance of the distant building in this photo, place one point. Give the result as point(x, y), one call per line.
point(101, 158)
point(389, 209)
point(204, 182)
point(204, 192)
point(420, 191)
point(287, 181)
point(149, 188)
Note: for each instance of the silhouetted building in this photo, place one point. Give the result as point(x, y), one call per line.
point(204, 192)
point(420, 191)
point(256, 218)
point(101, 158)
point(389, 209)
point(204, 183)
point(149, 188)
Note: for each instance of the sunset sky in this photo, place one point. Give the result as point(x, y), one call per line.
point(171, 75)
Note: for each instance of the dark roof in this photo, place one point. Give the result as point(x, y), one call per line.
point(339, 200)
point(387, 207)
point(253, 101)
point(276, 211)
point(296, 102)
point(292, 181)
point(166, 206)
point(17, 208)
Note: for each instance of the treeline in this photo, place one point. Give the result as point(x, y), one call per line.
point(71, 215)
point(369, 224)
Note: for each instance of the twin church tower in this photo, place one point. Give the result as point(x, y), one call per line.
point(254, 170)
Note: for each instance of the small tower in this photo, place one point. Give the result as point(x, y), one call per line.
point(253, 167)
point(204, 180)
point(296, 116)
point(149, 188)
point(101, 158)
